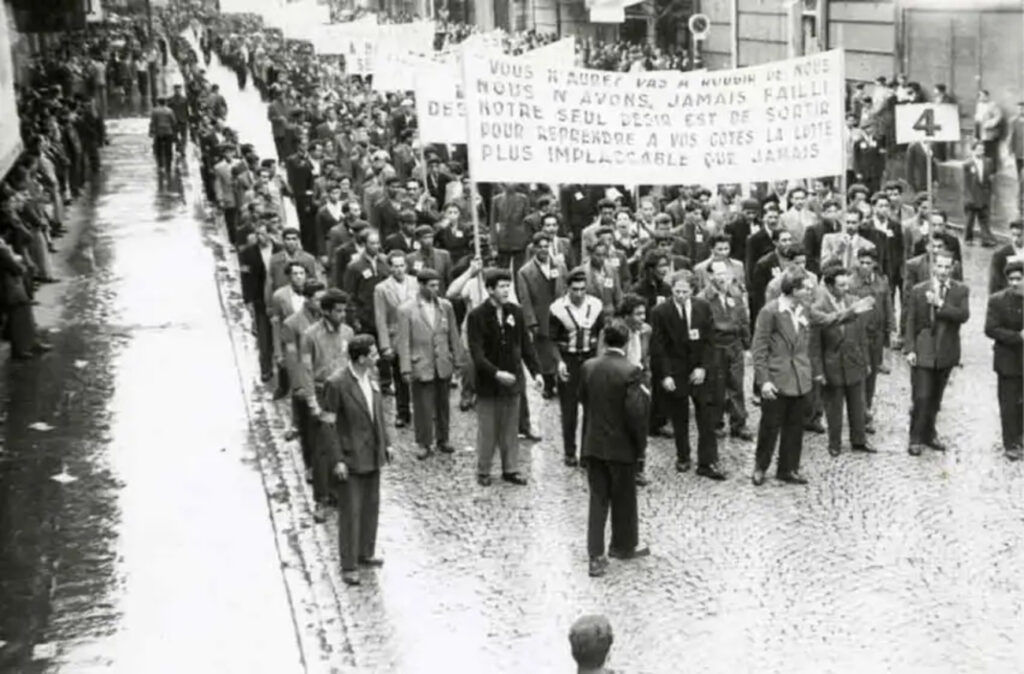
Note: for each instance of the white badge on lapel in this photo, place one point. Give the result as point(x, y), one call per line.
point(417, 265)
point(694, 335)
point(510, 321)
point(367, 273)
point(609, 283)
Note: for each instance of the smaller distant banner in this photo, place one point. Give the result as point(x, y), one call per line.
point(440, 106)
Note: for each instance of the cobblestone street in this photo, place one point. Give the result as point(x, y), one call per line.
point(871, 566)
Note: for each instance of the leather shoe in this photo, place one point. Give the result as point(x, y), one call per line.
point(866, 447)
point(1013, 454)
point(280, 393)
point(483, 480)
point(937, 445)
point(424, 453)
point(915, 449)
point(630, 554)
point(793, 478)
point(683, 466)
point(663, 432)
point(815, 426)
point(514, 478)
point(597, 567)
point(446, 448)
point(351, 577)
point(571, 461)
point(757, 478)
point(319, 514)
point(711, 472)
point(834, 451)
point(743, 433)
point(531, 436)
point(641, 480)
point(375, 562)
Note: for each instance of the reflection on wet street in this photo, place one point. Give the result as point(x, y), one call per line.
point(152, 551)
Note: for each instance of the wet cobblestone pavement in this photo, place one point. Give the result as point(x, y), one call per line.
point(883, 563)
point(186, 544)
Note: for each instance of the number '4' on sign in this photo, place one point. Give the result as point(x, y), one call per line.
point(926, 123)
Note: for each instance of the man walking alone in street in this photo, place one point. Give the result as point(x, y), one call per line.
point(163, 126)
point(355, 411)
point(615, 412)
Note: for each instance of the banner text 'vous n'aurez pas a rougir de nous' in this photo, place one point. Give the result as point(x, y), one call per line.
point(528, 123)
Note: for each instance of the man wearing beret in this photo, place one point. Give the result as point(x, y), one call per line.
point(429, 351)
point(499, 346)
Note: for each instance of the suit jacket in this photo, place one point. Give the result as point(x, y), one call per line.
point(224, 185)
point(255, 275)
point(359, 282)
point(978, 184)
point(838, 342)
point(934, 333)
point(758, 245)
point(1003, 322)
point(889, 244)
point(536, 292)
point(162, 122)
point(300, 180)
point(439, 260)
point(608, 288)
point(384, 218)
point(781, 352)
point(615, 409)
point(428, 351)
point(278, 272)
point(813, 241)
point(436, 186)
point(325, 222)
point(836, 247)
point(880, 321)
point(703, 273)
point(798, 222)
point(343, 255)
point(996, 277)
point(508, 229)
point(493, 347)
point(675, 350)
point(362, 439)
point(282, 305)
point(397, 241)
point(388, 296)
point(291, 340)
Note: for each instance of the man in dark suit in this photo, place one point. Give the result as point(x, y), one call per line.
point(509, 232)
point(330, 215)
point(1004, 325)
point(766, 267)
point(500, 346)
point(299, 170)
point(919, 269)
point(254, 265)
point(680, 358)
point(936, 309)
point(783, 374)
point(361, 277)
point(436, 182)
point(615, 410)
point(163, 128)
point(814, 235)
point(883, 230)
point(426, 256)
point(405, 238)
point(1015, 249)
point(353, 405)
point(839, 356)
point(386, 216)
point(760, 242)
point(978, 172)
point(539, 283)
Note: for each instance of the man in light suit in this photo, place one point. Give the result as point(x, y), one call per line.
point(721, 251)
point(224, 192)
point(602, 281)
point(283, 303)
point(354, 407)
point(936, 309)
point(388, 296)
point(839, 356)
point(798, 218)
point(782, 373)
point(844, 247)
point(1004, 325)
point(291, 251)
point(615, 412)
point(540, 282)
point(978, 174)
point(429, 351)
point(1014, 249)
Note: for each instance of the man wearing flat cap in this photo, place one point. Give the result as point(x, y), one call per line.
point(429, 257)
point(429, 351)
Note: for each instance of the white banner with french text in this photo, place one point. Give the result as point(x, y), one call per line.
point(780, 120)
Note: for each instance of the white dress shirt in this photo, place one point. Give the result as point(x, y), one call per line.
point(366, 387)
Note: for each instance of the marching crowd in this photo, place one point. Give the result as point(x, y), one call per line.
point(379, 290)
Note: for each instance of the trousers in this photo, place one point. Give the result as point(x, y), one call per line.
point(430, 411)
point(782, 422)
point(1011, 410)
point(569, 400)
point(358, 514)
point(853, 395)
point(679, 413)
point(926, 388)
point(727, 385)
point(612, 487)
point(497, 426)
